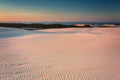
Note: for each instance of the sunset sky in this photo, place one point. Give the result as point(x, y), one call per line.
point(60, 10)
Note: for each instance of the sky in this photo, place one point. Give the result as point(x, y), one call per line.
point(59, 10)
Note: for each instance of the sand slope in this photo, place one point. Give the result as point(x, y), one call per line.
point(62, 54)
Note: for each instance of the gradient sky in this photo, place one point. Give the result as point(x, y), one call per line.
point(60, 10)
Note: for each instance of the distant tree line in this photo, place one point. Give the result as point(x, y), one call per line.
point(33, 26)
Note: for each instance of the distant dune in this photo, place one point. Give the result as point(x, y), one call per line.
point(39, 26)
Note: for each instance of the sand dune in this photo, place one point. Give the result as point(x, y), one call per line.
point(61, 54)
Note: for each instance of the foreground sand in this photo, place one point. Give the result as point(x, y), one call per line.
point(62, 54)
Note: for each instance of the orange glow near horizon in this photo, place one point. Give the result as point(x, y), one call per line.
point(4, 17)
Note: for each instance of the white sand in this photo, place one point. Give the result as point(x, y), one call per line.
point(62, 54)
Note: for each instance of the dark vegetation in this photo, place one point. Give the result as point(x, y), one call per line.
point(36, 26)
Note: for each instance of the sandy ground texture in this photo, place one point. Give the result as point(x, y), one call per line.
point(60, 54)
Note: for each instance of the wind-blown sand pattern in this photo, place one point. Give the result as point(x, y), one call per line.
point(61, 54)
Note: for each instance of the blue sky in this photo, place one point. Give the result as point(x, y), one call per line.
point(60, 10)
